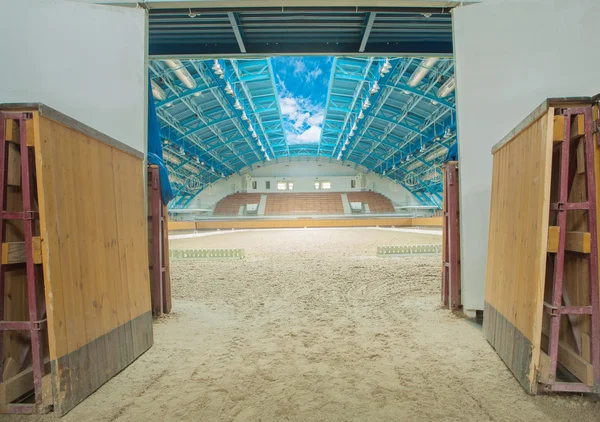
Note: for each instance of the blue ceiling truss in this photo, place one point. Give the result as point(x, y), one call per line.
point(219, 117)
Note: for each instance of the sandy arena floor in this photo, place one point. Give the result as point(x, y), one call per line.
point(311, 326)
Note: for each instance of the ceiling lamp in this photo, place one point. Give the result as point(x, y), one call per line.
point(448, 132)
point(169, 104)
point(347, 142)
point(196, 160)
point(351, 134)
point(354, 127)
point(262, 149)
point(374, 88)
point(238, 105)
point(366, 104)
point(181, 150)
point(216, 67)
point(447, 87)
point(406, 92)
point(157, 91)
point(434, 102)
point(386, 66)
point(421, 71)
point(361, 115)
point(212, 169)
point(244, 116)
point(182, 73)
point(267, 157)
point(229, 89)
point(196, 94)
point(339, 157)
point(344, 148)
point(259, 143)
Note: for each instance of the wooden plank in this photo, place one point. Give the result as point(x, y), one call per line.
point(559, 129)
point(47, 392)
point(585, 347)
point(575, 241)
point(14, 252)
point(576, 364)
point(18, 385)
point(11, 368)
point(553, 236)
point(580, 158)
point(518, 242)
point(544, 369)
point(95, 272)
point(577, 126)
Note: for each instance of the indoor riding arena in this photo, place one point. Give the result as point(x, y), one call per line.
point(280, 210)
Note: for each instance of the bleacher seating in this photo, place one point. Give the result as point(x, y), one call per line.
point(298, 203)
point(378, 203)
point(304, 203)
point(230, 205)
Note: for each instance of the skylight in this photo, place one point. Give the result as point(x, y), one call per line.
point(302, 84)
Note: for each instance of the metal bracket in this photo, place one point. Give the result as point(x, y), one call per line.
point(38, 325)
point(560, 206)
point(551, 310)
point(30, 215)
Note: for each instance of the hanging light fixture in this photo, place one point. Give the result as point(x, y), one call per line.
point(347, 142)
point(344, 148)
point(422, 71)
point(237, 105)
point(351, 134)
point(182, 73)
point(181, 150)
point(157, 91)
point(386, 66)
point(254, 135)
point(447, 87)
point(354, 127)
point(229, 89)
point(216, 67)
point(244, 116)
point(366, 104)
point(448, 132)
point(374, 88)
point(361, 115)
point(259, 143)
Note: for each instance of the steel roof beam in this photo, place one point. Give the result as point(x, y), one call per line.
point(367, 31)
point(235, 25)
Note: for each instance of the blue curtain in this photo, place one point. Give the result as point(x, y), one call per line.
point(155, 154)
point(453, 153)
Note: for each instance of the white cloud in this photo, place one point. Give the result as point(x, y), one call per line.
point(311, 135)
point(299, 67)
point(313, 75)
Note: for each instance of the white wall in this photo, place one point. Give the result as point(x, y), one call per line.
point(303, 174)
point(304, 183)
point(510, 56)
point(86, 61)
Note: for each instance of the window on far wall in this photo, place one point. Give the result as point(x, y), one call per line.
point(285, 185)
point(254, 184)
point(323, 185)
point(352, 183)
point(268, 184)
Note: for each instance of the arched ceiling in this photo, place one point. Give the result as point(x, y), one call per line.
point(391, 116)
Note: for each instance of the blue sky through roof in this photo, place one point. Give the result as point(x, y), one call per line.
point(302, 84)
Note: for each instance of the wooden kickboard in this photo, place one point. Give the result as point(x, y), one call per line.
point(519, 275)
point(92, 217)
